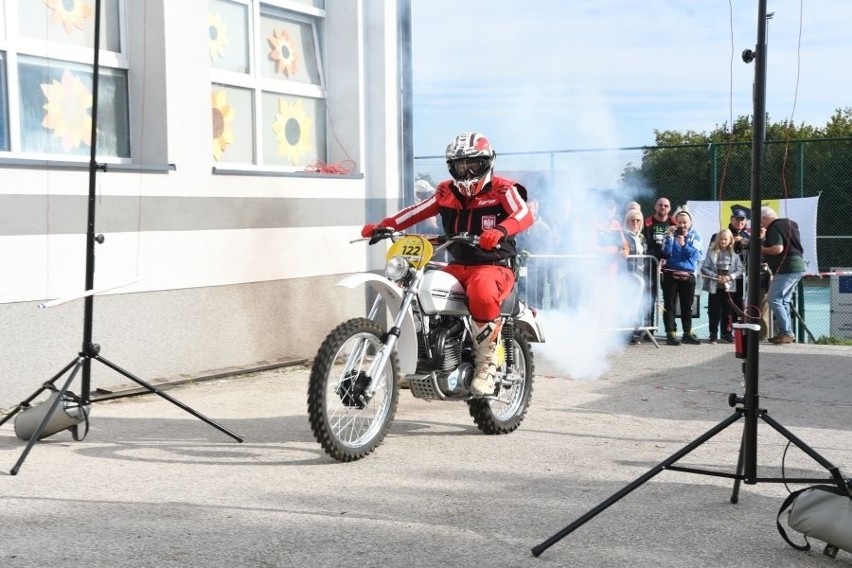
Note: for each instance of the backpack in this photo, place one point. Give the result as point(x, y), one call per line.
point(823, 512)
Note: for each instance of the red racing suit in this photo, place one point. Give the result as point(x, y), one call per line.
point(486, 275)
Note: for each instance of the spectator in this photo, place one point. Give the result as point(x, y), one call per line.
point(781, 246)
point(721, 269)
point(737, 225)
point(682, 249)
point(636, 248)
point(656, 229)
point(570, 237)
point(538, 239)
point(423, 190)
point(610, 238)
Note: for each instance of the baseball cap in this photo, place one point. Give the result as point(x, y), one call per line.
point(739, 212)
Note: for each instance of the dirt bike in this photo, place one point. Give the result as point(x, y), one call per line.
point(357, 373)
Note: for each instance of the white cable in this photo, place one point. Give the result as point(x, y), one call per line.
point(60, 301)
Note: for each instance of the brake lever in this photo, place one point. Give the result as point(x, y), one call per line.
point(380, 233)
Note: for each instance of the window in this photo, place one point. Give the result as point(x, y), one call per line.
point(268, 95)
point(46, 76)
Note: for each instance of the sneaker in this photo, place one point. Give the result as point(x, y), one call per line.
point(671, 339)
point(690, 339)
point(711, 341)
point(728, 338)
point(782, 339)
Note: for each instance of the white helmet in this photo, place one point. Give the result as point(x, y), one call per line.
point(470, 159)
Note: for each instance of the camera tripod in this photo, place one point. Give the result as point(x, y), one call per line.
point(746, 407)
point(90, 351)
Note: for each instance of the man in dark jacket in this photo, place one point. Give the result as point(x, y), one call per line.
point(656, 228)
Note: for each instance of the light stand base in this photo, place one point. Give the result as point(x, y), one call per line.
point(74, 367)
point(668, 464)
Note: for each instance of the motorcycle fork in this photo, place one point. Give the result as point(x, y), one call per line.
point(392, 335)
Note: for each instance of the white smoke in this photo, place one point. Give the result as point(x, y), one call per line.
point(591, 302)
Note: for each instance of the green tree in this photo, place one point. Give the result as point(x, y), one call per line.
point(800, 160)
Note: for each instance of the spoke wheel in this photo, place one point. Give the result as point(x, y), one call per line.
point(505, 413)
point(347, 420)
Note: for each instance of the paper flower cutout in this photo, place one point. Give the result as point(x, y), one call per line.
point(223, 116)
point(217, 31)
point(292, 128)
point(284, 53)
point(68, 104)
point(70, 13)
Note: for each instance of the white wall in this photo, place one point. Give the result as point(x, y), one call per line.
point(227, 295)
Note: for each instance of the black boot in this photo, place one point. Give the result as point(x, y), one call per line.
point(671, 339)
point(689, 338)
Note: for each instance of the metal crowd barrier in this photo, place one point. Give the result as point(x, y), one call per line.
point(545, 282)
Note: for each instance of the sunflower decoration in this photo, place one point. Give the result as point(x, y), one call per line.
point(283, 53)
point(217, 31)
point(223, 117)
point(70, 13)
point(68, 104)
point(292, 127)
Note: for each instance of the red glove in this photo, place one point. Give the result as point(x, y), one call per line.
point(489, 238)
point(367, 231)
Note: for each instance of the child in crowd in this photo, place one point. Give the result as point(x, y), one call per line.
point(720, 269)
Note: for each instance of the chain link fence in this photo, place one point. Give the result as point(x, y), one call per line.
point(709, 172)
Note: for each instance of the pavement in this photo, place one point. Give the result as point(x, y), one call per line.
point(153, 486)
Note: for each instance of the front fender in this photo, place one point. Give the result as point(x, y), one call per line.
point(406, 347)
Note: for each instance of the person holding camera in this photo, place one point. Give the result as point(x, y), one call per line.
point(682, 249)
point(781, 246)
point(721, 269)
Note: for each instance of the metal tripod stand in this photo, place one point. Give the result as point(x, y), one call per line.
point(90, 350)
point(747, 406)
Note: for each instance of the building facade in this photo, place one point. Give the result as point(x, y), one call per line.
point(240, 145)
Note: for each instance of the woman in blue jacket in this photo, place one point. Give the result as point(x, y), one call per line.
point(682, 250)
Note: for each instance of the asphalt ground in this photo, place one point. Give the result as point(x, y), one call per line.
point(153, 486)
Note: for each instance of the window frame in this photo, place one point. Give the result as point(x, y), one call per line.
point(260, 85)
point(13, 46)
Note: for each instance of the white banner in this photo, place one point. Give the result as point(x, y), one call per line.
point(709, 217)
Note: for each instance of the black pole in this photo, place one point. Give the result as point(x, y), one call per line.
point(407, 101)
point(88, 347)
point(752, 398)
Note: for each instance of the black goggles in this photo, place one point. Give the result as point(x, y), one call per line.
point(468, 168)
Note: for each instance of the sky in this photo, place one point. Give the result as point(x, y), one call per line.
point(547, 75)
point(536, 75)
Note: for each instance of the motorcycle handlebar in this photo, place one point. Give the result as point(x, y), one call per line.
point(382, 233)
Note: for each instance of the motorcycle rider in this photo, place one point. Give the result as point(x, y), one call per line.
point(477, 202)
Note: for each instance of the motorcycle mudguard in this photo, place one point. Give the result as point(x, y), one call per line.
point(526, 320)
point(406, 347)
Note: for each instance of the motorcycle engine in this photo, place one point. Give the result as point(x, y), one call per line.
point(441, 348)
point(442, 351)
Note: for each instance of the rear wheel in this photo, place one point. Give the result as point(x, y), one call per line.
point(346, 419)
point(505, 413)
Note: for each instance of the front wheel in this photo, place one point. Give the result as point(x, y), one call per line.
point(505, 413)
point(346, 420)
